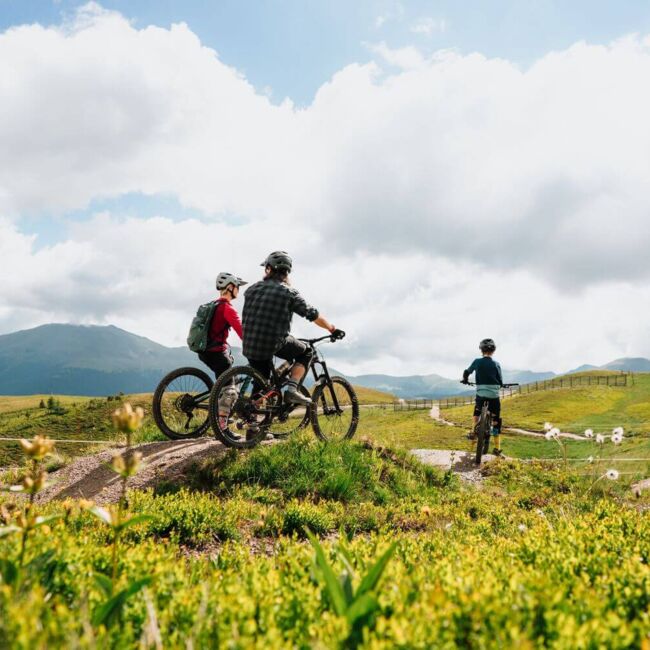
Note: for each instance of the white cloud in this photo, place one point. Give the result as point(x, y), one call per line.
point(455, 198)
point(429, 26)
point(404, 313)
point(406, 58)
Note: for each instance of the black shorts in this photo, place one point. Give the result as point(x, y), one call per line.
point(494, 405)
point(218, 362)
point(292, 350)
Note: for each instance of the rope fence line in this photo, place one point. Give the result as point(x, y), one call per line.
point(80, 442)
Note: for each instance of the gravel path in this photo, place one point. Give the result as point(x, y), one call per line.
point(89, 477)
point(460, 462)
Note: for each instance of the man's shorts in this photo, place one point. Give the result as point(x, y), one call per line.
point(292, 350)
point(494, 405)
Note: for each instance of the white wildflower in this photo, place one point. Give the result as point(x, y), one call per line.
point(618, 431)
point(548, 435)
point(617, 438)
point(612, 474)
point(589, 433)
point(522, 528)
point(590, 459)
point(547, 426)
point(600, 438)
point(555, 432)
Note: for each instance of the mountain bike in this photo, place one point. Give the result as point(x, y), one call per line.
point(483, 428)
point(180, 403)
point(244, 406)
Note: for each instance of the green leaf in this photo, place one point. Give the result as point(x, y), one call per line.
point(40, 521)
point(371, 578)
point(332, 585)
point(8, 530)
point(103, 514)
point(108, 612)
point(133, 521)
point(8, 571)
point(104, 583)
point(362, 607)
point(345, 580)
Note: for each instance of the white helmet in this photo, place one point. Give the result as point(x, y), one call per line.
point(224, 279)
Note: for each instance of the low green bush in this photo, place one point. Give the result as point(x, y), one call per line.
point(304, 467)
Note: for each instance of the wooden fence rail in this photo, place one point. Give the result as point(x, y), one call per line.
point(624, 379)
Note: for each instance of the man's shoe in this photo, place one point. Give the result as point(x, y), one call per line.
point(292, 396)
point(498, 453)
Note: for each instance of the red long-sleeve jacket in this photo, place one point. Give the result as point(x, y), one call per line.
point(225, 317)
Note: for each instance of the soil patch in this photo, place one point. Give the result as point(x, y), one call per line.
point(89, 477)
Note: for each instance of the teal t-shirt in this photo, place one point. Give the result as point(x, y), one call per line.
point(489, 378)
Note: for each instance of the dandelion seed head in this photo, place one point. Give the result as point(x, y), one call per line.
point(612, 474)
point(617, 438)
point(547, 426)
point(618, 431)
point(600, 438)
point(589, 433)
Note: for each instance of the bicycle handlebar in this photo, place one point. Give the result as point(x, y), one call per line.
point(318, 340)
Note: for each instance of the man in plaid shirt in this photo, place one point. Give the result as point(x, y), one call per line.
point(269, 306)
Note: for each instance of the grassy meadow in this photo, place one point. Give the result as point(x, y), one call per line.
point(538, 557)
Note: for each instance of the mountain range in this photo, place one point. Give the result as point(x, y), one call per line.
point(103, 360)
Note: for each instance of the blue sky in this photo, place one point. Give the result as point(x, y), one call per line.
point(134, 166)
point(294, 46)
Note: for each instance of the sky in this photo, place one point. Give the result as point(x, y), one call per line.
point(440, 171)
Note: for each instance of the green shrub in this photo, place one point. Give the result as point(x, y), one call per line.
point(298, 516)
point(304, 467)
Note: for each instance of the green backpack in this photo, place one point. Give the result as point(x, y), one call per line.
point(197, 339)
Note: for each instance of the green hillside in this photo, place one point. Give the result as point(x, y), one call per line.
point(600, 408)
point(86, 418)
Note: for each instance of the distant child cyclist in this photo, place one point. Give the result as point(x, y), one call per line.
point(489, 381)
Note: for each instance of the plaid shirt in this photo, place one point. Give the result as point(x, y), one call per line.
point(268, 309)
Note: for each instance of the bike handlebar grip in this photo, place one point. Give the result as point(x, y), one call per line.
point(337, 335)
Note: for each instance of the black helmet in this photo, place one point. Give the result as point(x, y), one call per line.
point(278, 261)
point(487, 345)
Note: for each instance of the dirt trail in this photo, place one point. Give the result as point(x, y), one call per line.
point(89, 477)
point(460, 462)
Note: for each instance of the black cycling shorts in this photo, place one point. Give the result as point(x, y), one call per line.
point(292, 350)
point(218, 362)
point(494, 405)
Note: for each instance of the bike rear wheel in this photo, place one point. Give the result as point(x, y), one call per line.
point(241, 407)
point(180, 403)
point(483, 430)
point(335, 410)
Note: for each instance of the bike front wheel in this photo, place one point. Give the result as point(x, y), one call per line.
point(180, 403)
point(241, 407)
point(335, 410)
